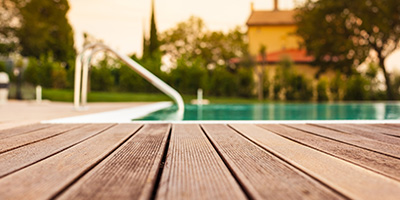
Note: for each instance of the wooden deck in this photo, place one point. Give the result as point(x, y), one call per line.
point(206, 161)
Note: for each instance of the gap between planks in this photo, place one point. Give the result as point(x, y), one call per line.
point(347, 178)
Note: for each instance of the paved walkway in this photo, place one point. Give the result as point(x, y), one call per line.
point(18, 113)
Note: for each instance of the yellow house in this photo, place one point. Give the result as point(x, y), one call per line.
point(275, 30)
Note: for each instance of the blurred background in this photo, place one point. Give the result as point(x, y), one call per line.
point(241, 51)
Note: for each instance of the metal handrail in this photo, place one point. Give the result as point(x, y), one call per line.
point(82, 61)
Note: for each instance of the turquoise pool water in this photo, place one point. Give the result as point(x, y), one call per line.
point(285, 111)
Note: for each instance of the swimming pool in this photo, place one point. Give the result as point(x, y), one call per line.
point(283, 111)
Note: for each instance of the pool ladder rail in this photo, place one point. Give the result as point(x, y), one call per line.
point(82, 65)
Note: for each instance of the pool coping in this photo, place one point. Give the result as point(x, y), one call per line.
point(115, 116)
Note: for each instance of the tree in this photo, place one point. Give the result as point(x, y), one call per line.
point(293, 85)
point(190, 46)
point(154, 44)
point(192, 39)
point(9, 20)
point(351, 29)
point(46, 72)
point(101, 78)
point(151, 47)
point(45, 28)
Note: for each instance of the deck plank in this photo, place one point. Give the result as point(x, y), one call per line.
point(265, 176)
point(386, 165)
point(346, 178)
point(17, 159)
point(50, 176)
point(194, 170)
point(21, 130)
point(393, 127)
point(382, 129)
point(129, 173)
point(17, 141)
point(349, 138)
point(368, 132)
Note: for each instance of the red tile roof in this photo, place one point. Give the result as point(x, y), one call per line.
point(296, 55)
point(278, 17)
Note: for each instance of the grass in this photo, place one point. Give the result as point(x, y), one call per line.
point(68, 95)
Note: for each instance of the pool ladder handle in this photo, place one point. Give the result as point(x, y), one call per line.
point(82, 71)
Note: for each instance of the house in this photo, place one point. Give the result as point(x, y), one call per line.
point(275, 31)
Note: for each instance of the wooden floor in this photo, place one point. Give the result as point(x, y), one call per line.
point(179, 161)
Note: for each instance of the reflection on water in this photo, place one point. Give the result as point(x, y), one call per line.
point(285, 111)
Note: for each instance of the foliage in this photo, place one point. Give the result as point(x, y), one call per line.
point(130, 81)
point(356, 88)
point(222, 82)
point(203, 59)
point(191, 39)
point(294, 86)
point(267, 84)
point(336, 85)
point(46, 72)
point(350, 30)
point(187, 77)
point(396, 85)
point(101, 78)
point(9, 20)
point(59, 77)
point(2, 66)
point(45, 28)
point(322, 88)
point(299, 88)
point(246, 82)
point(151, 46)
point(154, 43)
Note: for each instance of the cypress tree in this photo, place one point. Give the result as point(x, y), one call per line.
point(145, 45)
point(154, 44)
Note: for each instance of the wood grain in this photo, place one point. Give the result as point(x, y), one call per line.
point(349, 179)
point(267, 175)
point(381, 128)
point(395, 127)
point(194, 170)
point(16, 141)
point(16, 159)
point(129, 173)
point(22, 129)
point(386, 165)
point(349, 138)
point(50, 176)
point(374, 133)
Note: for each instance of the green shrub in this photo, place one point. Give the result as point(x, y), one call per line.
point(246, 82)
point(187, 77)
point(356, 88)
point(101, 78)
point(46, 72)
point(2, 66)
point(295, 86)
point(223, 82)
point(322, 88)
point(336, 86)
point(298, 87)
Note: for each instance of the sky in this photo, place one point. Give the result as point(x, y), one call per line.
point(121, 23)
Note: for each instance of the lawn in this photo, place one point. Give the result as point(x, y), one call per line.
point(68, 95)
